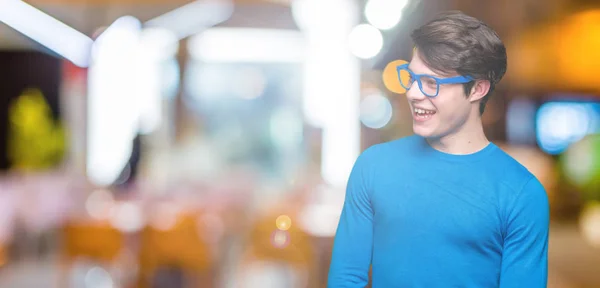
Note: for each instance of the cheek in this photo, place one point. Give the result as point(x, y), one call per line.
point(452, 109)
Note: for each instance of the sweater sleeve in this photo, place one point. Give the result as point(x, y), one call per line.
point(353, 242)
point(525, 254)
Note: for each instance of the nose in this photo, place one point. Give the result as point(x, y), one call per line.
point(414, 93)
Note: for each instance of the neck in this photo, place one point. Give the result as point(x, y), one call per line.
point(467, 139)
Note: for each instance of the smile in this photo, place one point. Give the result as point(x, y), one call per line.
point(422, 114)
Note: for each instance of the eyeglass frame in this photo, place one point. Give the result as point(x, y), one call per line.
point(438, 81)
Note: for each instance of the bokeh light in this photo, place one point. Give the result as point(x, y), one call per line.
point(581, 166)
point(390, 77)
point(280, 239)
point(99, 204)
point(283, 222)
point(590, 224)
point(165, 217)
point(320, 220)
point(365, 41)
point(375, 111)
point(98, 277)
point(562, 123)
point(384, 14)
point(578, 162)
point(127, 217)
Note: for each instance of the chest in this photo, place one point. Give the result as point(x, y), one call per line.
point(445, 210)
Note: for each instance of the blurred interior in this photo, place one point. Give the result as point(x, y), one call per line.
point(155, 143)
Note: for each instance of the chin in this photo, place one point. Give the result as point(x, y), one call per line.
point(425, 131)
point(424, 134)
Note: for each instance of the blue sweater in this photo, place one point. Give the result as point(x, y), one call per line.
point(423, 218)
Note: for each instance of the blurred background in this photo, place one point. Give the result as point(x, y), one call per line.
point(155, 143)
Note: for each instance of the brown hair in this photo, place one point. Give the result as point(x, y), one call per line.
point(456, 42)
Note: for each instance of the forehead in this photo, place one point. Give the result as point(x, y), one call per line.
point(418, 66)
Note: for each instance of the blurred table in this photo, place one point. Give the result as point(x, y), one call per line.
point(572, 264)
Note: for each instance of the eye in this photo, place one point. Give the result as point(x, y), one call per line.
point(429, 81)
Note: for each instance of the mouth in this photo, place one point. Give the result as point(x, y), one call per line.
point(422, 114)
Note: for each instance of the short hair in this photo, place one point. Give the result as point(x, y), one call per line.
point(455, 42)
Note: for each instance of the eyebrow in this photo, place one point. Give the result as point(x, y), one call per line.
point(428, 74)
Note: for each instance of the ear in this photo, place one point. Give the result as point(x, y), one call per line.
point(479, 90)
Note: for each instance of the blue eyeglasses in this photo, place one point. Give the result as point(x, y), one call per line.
point(429, 85)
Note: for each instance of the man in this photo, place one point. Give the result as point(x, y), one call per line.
point(444, 207)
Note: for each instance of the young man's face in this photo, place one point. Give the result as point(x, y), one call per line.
point(445, 114)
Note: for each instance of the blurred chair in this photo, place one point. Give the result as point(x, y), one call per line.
point(97, 241)
point(176, 249)
point(270, 250)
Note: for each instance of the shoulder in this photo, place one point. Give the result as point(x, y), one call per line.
point(509, 170)
point(385, 151)
point(525, 189)
point(375, 158)
point(529, 208)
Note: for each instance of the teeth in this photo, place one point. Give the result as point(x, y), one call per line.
point(421, 111)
